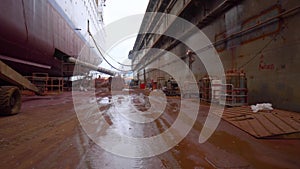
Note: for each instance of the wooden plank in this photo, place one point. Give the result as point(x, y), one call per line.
point(285, 113)
point(258, 128)
point(248, 109)
point(226, 114)
point(240, 115)
point(263, 124)
point(244, 111)
point(235, 112)
point(10, 75)
point(280, 123)
point(290, 121)
point(239, 118)
point(244, 125)
point(230, 116)
point(269, 126)
point(238, 112)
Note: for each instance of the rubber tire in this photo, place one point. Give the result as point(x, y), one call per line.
point(10, 100)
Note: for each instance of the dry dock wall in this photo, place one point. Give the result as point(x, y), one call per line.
point(270, 55)
point(259, 37)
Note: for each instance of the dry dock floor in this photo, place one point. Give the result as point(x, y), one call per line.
point(47, 134)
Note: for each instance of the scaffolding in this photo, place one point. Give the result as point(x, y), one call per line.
point(231, 93)
point(210, 89)
point(205, 89)
point(234, 92)
point(46, 84)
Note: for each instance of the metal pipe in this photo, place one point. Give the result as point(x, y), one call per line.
point(234, 35)
point(93, 67)
point(270, 20)
point(24, 62)
point(180, 12)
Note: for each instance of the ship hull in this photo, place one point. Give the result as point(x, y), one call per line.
point(31, 32)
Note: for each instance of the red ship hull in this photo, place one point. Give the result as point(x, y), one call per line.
point(31, 32)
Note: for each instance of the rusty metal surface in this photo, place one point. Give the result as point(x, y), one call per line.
point(263, 124)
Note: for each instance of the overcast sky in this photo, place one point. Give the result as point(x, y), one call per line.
point(117, 9)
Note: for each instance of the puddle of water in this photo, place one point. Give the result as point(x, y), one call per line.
point(104, 101)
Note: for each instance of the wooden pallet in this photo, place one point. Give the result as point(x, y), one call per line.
point(264, 124)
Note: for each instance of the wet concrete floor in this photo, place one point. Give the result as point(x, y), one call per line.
point(48, 134)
